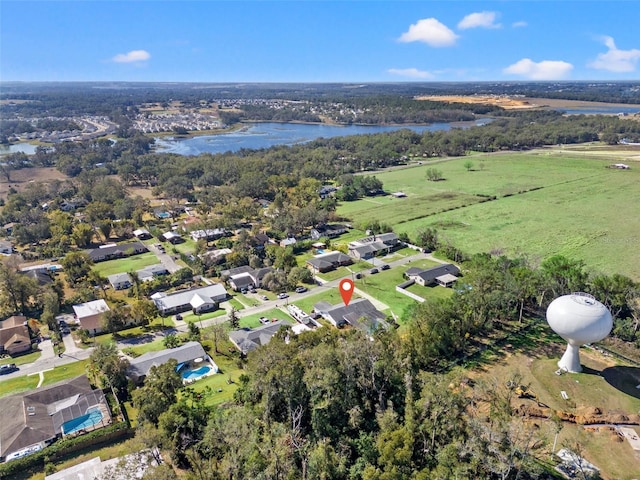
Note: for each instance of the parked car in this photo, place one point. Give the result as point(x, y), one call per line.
point(264, 320)
point(282, 296)
point(301, 289)
point(66, 331)
point(385, 267)
point(374, 271)
point(265, 298)
point(358, 276)
point(6, 369)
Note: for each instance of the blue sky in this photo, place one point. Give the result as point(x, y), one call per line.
point(318, 41)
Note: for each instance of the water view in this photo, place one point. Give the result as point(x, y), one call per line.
point(265, 135)
point(18, 147)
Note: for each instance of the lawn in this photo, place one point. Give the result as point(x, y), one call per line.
point(22, 359)
point(547, 203)
point(18, 384)
point(123, 265)
point(253, 321)
point(330, 295)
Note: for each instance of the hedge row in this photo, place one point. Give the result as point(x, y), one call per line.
point(63, 447)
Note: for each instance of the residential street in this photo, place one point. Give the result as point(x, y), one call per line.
point(74, 353)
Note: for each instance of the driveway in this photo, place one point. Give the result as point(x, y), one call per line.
point(166, 259)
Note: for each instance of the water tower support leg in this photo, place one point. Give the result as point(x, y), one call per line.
point(570, 361)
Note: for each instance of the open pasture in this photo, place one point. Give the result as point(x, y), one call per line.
point(546, 203)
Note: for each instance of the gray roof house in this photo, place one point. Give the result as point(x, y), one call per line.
point(139, 367)
point(119, 281)
point(360, 313)
point(373, 245)
point(31, 420)
point(151, 272)
point(109, 252)
point(142, 234)
point(329, 231)
point(248, 278)
point(202, 299)
point(329, 261)
point(444, 275)
point(247, 339)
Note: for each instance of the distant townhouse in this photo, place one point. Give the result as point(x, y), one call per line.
point(374, 245)
point(113, 251)
point(199, 300)
point(287, 242)
point(216, 256)
point(6, 248)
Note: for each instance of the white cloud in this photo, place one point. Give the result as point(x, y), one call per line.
point(545, 70)
point(431, 32)
point(410, 72)
point(519, 24)
point(615, 60)
point(479, 20)
point(132, 56)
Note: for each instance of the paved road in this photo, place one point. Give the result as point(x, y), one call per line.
point(74, 353)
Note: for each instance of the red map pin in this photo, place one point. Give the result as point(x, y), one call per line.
point(346, 290)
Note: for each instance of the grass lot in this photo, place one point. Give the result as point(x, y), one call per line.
point(570, 212)
point(123, 265)
point(253, 321)
point(22, 359)
point(331, 295)
point(191, 317)
point(63, 372)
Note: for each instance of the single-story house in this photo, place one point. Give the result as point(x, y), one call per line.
point(248, 339)
point(329, 231)
point(289, 241)
point(151, 272)
point(373, 245)
point(249, 278)
point(90, 315)
point(172, 237)
point(360, 313)
point(119, 281)
point(202, 299)
point(142, 234)
point(31, 420)
point(329, 261)
point(226, 274)
point(326, 191)
point(41, 275)
point(260, 240)
point(208, 234)
point(215, 256)
point(112, 251)
point(445, 275)
point(14, 335)
point(139, 367)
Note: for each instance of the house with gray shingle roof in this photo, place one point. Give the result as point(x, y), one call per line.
point(360, 313)
point(247, 339)
point(444, 275)
point(31, 420)
point(139, 367)
point(202, 299)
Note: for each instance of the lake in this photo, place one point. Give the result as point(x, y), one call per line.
point(18, 147)
point(265, 135)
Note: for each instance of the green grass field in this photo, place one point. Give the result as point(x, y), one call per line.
point(123, 265)
point(578, 207)
point(253, 321)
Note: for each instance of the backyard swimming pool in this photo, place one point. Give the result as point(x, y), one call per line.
point(88, 420)
point(196, 373)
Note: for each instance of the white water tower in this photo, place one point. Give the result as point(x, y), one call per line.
point(578, 318)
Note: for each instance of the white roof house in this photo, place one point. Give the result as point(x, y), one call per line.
point(88, 309)
point(201, 299)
